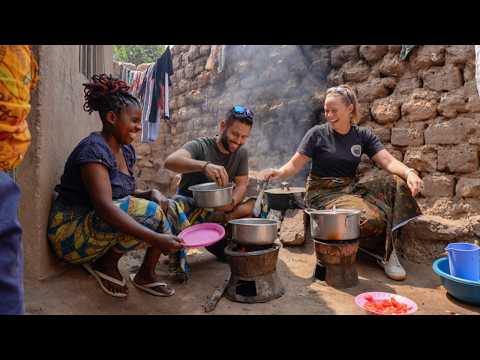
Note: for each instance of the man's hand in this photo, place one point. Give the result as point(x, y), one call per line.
point(414, 183)
point(217, 173)
point(160, 199)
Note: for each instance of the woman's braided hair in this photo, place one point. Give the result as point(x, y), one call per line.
point(105, 93)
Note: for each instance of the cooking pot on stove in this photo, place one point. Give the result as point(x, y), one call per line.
point(334, 224)
point(254, 231)
point(285, 197)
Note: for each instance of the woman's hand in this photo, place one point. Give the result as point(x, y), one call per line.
point(269, 174)
point(169, 243)
point(217, 173)
point(160, 199)
point(415, 184)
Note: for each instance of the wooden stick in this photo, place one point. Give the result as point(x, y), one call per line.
point(212, 302)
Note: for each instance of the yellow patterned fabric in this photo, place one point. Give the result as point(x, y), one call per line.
point(18, 76)
point(78, 235)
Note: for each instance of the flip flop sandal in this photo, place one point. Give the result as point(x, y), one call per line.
point(99, 276)
point(149, 287)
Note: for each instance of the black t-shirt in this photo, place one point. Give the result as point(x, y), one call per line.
point(337, 155)
point(206, 149)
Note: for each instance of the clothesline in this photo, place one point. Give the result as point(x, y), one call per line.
point(151, 87)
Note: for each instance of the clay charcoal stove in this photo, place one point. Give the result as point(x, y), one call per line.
point(253, 273)
point(336, 262)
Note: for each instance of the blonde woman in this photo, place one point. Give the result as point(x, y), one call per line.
point(335, 149)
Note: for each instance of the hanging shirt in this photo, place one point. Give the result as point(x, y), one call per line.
point(163, 68)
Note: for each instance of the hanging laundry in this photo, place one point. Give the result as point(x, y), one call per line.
point(216, 58)
point(137, 81)
point(146, 93)
point(221, 58)
point(162, 71)
point(406, 50)
point(477, 67)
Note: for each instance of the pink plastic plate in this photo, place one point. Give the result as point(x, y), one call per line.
point(360, 301)
point(202, 235)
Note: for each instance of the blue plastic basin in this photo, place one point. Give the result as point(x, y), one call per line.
point(463, 290)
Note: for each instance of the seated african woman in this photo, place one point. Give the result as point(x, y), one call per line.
point(335, 149)
point(99, 214)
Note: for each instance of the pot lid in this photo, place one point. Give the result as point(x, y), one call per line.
point(280, 191)
point(334, 211)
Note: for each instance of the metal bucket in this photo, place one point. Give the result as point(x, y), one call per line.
point(338, 224)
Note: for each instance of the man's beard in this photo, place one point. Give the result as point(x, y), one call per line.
point(224, 141)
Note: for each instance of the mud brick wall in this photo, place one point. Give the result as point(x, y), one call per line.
point(277, 82)
point(426, 110)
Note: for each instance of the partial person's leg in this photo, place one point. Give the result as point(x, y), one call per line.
point(372, 219)
point(151, 215)
point(11, 258)
point(241, 211)
point(393, 196)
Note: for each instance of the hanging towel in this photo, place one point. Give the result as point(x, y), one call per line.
point(216, 58)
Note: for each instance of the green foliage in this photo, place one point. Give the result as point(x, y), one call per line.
point(138, 54)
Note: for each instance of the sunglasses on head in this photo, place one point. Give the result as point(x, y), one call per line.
point(341, 90)
point(242, 112)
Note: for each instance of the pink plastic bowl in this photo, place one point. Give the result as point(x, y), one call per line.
point(360, 301)
point(202, 235)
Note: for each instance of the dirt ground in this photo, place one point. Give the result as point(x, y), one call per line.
point(76, 292)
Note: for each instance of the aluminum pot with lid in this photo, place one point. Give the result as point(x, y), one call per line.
point(285, 197)
point(335, 224)
point(210, 195)
point(253, 231)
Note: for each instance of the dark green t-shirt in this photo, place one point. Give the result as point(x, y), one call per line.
point(206, 149)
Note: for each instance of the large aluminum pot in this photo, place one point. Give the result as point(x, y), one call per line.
point(210, 195)
point(253, 231)
point(337, 224)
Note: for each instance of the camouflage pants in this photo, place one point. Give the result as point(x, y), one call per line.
point(386, 204)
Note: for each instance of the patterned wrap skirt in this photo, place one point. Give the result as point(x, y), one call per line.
point(78, 235)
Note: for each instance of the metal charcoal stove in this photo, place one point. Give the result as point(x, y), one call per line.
point(253, 273)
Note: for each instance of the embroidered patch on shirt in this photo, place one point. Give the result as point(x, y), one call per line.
point(356, 150)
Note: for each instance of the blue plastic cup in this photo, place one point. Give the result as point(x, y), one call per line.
point(464, 260)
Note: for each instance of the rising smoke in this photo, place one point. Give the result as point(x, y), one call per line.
point(283, 85)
